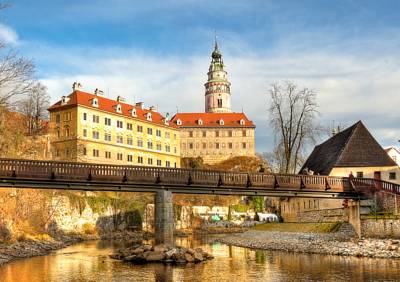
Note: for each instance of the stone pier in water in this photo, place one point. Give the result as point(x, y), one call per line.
point(164, 218)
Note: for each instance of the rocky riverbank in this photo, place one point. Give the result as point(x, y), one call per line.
point(316, 243)
point(140, 254)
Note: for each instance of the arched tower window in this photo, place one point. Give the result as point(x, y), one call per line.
point(219, 103)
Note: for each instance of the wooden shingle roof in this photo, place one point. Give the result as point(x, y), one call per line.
point(353, 147)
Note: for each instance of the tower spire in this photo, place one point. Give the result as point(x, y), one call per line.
point(215, 41)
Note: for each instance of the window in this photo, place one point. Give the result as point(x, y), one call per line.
point(67, 132)
point(57, 153)
point(67, 116)
point(204, 145)
point(167, 135)
point(67, 152)
point(150, 144)
point(219, 103)
point(96, 119)
point(148, 116)
point(140, 143)
point(230, 134)
point(84, 151)
point(84, 116)
point(175, 150)
point(95, 153)
point(107, 137)
point(158, 133)
point(190, 133)
point(95, 134)
point(119, 156)
point(150, 131)
point(204, 134)
point(120, 124)
point(167, 148)
point(85, 133)
point(159, 163)
point(190, 145)
point(174, 136)
point(216, 133)
point(58, 118)
point(129, 141)
point(167, 163)
point(130, 158)
point(244, 133)
point(120, 139)
point(150, 161)
point(244, 145)
point(139, 128)
point(216, 145)
point(129, 126)
point(107, 121)
point(108, 155)
point(58, 133)
point(175, 164)
point(360, 174)
point(178, 122)
point(392, 175)
point(95, 102)
point(140, 160)
point(230, 145)
point(119, 109)
point(158, 147)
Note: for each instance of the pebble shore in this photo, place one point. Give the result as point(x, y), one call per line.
point(315, 243)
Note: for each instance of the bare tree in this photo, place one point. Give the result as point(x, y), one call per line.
point(16, 76)
point(34, 107)
point(292, 117)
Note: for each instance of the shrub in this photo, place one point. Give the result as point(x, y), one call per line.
point(89, 229)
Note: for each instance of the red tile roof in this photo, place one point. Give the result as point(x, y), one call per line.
point(212, 120)
point(83, 98)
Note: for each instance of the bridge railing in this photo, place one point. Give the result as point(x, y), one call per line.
point(70, 171)
point(371, 184)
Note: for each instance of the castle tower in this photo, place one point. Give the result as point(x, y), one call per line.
point(218, 93)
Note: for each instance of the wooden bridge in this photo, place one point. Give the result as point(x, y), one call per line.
point(99, 177)
point(165, 181)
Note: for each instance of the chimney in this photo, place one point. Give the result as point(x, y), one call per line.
point(120, 99)
point(76, 86)
point(98, 92)
point(153, 109)
point(140, 105)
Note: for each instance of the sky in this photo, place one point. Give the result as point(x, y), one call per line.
point(158, 52)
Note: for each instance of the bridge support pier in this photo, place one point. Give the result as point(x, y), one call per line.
point(164, 218)
point(354, 216)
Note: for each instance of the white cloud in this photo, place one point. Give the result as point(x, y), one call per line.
point(8, 35)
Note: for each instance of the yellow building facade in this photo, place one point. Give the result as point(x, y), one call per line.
point(88, 127)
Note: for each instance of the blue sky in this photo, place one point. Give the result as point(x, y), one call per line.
point(158, 51)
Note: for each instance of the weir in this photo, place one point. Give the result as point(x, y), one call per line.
point(164, 217)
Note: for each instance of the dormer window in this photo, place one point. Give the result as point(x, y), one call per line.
point(221, 122)
point(95, 102)
point(64, 100)
point(119, 109)
point(178, 122)
point(134, 114)
point(242, 122)
point(200, 121)
point(148, 116)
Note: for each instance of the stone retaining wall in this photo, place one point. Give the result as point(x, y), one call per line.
point(380, 228)
point(329, 215)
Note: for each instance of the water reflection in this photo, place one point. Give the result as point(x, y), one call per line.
point(90, 262)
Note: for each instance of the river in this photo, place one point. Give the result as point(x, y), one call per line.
point(89, 261)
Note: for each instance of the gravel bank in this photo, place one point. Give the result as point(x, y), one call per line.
point(330, 243)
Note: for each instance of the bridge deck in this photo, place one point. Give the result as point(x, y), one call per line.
point(100, 177)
